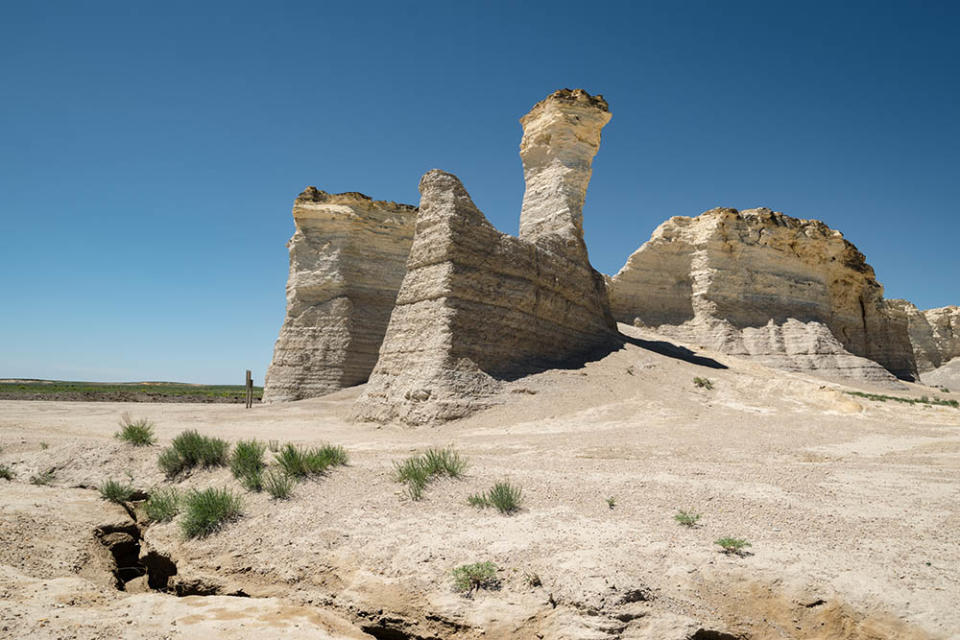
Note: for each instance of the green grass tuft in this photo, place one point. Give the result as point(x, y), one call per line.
point(505, 497)
point(417, 471)
point(469, 577)
point(162, 505)
point(44, 446)
point(878, 397)
point(611, 502)
point(207, 510)
point(278, 484)
point(300, 462)
point(687, 519)
point(116, 491)
point(6, 472)
point(734, 546)
point(139, 433)
point(190, 449)
point(247, 464)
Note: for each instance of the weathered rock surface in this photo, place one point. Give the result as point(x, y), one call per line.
point(477, 305)
point(347, 260)
point(934, 333)
point(792, 293)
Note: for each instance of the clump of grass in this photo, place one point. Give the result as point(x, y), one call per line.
point(207, 510)
point(6, 473)
point(687, 519)
point(532, 579)
point(139, 432)
point(116, 491)
point(44, 446)
point(247, 464)
point(44, 478)
point(278, 484)
point(612, 502)
point(300, 462)
point(703, 383)
point(190, 449)
point(162, 505)
point(506, 497)
point(735, 546)
point(274, 446)
point(417, 471)
point(470, 577)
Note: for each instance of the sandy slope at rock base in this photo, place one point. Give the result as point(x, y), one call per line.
point(851, 507)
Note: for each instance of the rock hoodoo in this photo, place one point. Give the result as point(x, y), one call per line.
point(477, 305)
point(347, 260)
point(934, 333)
point(791, 293)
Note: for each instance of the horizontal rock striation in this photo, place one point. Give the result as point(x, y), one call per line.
point(792, 293)
point(347, 259)
point(477, 306)
point(934, 333)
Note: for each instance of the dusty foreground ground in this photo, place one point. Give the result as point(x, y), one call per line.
point(852, 508)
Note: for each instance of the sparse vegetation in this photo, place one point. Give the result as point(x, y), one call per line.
point(417, 471)
point(687, 519)
point(611, 502)
point(152, 391)
point(532, 579)
point(44, 446)
point(703, 383)
point(116, 491)
point(43, 478)
point(190, 449)
point(207, 510)
point(735, 546)
point(300, 462)
point(278, 484)
point(879, 397)
point(139, 432)
point(162, 505)
point(6, 473)
point(247, 464)
point(470, 577)
point(505, 497)
point(274, 446)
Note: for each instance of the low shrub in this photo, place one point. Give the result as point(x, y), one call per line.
point(43, 478)
point(687, 519)
point(469, 577)
point(116, 491)
point(703, 383)
point(162, 505)
point(611, 502)
point(207, 510)
point(139, 433)
point(735, 546)
point(278, 484)
point(6, 472)
point(44, 446)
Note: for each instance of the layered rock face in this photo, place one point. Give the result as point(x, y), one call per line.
point(791, 293)
point(934, 333)
point(478, 306)
point(347, 260)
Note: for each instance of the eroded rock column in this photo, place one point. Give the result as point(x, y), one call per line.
point(347, 260)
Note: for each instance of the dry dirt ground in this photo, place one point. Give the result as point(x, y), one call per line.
point(852, 508)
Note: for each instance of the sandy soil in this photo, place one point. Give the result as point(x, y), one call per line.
point(852, 508)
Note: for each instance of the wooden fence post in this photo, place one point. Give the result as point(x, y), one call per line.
point(249, 389)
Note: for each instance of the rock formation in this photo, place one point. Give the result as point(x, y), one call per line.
point(792, 293)
point(347, 260)
point(477, 305)
point(934, 333)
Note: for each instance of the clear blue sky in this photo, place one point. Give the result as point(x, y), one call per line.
point(150, 152)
